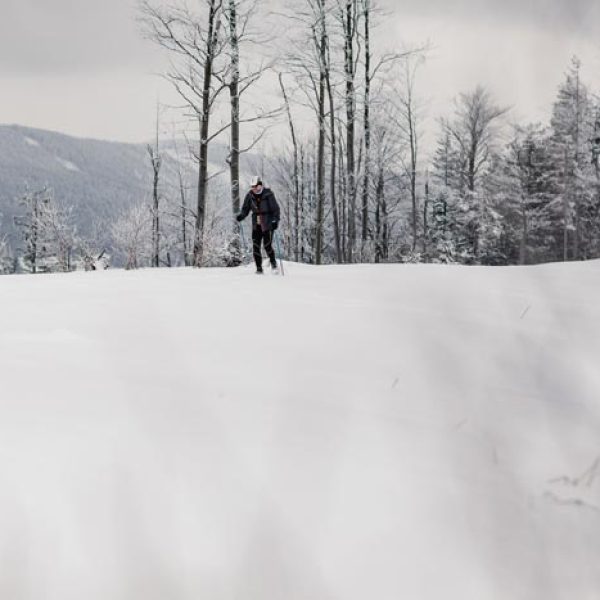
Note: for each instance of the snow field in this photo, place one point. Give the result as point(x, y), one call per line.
point(346, 432)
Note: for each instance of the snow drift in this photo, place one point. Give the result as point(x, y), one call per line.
point(353, 432)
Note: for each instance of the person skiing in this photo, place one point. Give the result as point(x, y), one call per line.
point(265, 220)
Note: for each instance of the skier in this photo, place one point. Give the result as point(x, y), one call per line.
point(265, 219)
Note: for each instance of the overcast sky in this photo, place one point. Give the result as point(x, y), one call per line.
point(81, 66)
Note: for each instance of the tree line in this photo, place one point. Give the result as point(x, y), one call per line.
point(350, 171)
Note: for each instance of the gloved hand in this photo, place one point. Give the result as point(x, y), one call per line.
point(239, 218)
point(274, 225)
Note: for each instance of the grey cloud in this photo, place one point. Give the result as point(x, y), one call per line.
point(66, 36)
point(579, 17)
point(75, 36)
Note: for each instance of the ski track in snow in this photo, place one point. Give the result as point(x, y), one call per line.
point(405, 431)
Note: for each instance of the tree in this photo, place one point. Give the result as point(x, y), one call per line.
point(407, 119)
point(48, 231)
point(339, 254)
point(309, 61)
point(320, 41)
point(238, 14)
point(155, 160)
point(572, 125)
point(386, 151)
point(130, 235)
point(468, 143)
point(196, 42)
point(473, 131)
point(366, 8)
point(56, 229)
point(295, 186)
point(373, 66)
point(7, 263)
point(349, 15)
point(28, 222)
point(522, 187)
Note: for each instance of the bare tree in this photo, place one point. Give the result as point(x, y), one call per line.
point(407, 119)
point(309, 63)
point(296, 174)
point(28, 222)
point(388, 147)
point(320, 41)
point(349, 18)
point(332, 138)
point(234, 91)
point(7, 264)
point(130, 235)
point(238, 15)
point(196, 42)
point(473, 131)
point(155, 160)
point(48, 230)
point(58, 231)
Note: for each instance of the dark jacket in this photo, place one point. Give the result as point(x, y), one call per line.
point(263, 205)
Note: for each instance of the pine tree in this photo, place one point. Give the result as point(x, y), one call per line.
point(574, 198)
point(461, 165)
point(521, 186)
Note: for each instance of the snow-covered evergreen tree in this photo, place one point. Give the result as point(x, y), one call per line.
point(521, 186)
point(48, 232)
point(574, 204)
point(462, 161)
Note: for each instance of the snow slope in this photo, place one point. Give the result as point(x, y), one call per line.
point(384, 432)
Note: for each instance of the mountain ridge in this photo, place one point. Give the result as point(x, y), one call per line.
point(99, 178)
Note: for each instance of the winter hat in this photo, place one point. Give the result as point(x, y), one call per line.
point(256, 180)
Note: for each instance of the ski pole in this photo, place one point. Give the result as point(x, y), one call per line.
point(279, 252)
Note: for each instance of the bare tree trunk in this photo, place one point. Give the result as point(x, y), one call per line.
point(314, 200)
point(471, 165)
point(156, 163)
point(524, 234)
point(386, 227)
point(367, 122)
point(378, 216)
point(411, 127)
point(577, 227)
point(349, 20)
point(184, 243)
point(425, 223)
point(320, 43)
point(155, 222)
point(333, 176)
point(211, 41)
point(413, 170)
point(344, 226)
point(234, 152)
point(301, 251)
point(566, 208)
point(296, 183)
point(34, 232)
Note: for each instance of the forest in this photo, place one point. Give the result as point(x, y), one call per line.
point(335, 124)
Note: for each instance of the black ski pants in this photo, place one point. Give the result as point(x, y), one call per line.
point(266, 237)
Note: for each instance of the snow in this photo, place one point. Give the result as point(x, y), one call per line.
point(67, 164)
point(406, 431)
point(31, 141)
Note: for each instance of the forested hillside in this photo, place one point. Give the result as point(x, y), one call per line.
point(98, 178)
point(94, 184)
